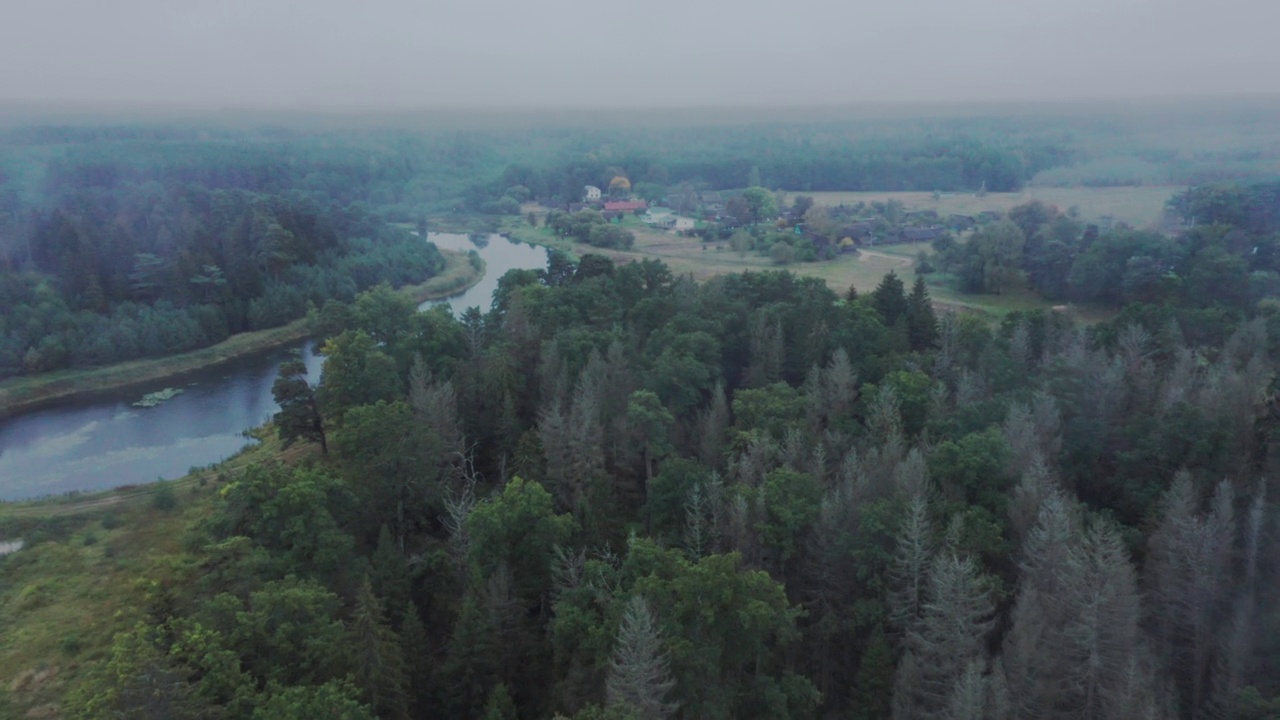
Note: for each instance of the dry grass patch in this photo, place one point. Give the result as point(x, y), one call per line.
point(1141, 207)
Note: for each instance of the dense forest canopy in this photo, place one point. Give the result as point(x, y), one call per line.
point(620, 494)
point(617, 493)
point(145, 270)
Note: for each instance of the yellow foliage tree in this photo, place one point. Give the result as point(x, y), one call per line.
point(619, 185)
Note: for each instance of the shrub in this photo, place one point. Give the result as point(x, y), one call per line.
point(163, 497)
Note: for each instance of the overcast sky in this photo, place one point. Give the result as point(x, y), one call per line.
point(414, 53)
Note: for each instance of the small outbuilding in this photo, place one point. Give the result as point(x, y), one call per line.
point(919, 235)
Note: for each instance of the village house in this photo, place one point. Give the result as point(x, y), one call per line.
point(625, 206)
point(671, 222)
point(857, 233)
point(960, 223)
point(919, 235)
point(590, 193)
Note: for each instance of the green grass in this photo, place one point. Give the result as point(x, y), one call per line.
point(22, 393)
point(89, 571)
point(863, 271)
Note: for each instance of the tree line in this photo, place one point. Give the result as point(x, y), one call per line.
point(145, 271)
point(1211, 273)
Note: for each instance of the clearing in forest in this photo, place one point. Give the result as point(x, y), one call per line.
point(1141, 206)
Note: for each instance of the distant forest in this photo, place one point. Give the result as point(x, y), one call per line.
point(137, 240)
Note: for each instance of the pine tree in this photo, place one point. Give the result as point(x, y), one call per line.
point(471, 662)
point(1102, 636)
point(949, 637)
point(712, 425)
point(500, 706)
point(1074, 645)
point(639, 671)
point(1034, 487)
point(299, 416)
point(909, 575)
point(1190, 561)
point(416, 652)
point(890, 299)
point(376, 658)
point(922, 323)
point(389, 576)
point(831, 391)
point(1036, 669)
point(874, 682)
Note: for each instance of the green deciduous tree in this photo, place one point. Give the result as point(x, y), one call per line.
point(334, 700)
point(727, 630)
point(292, 514)
point(518, 528)
point(760, 203)
point(356, 372)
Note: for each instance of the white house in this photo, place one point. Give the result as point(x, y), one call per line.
point(684, 223)
point(590, 192)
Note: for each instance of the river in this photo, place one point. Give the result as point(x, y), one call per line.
point(102, 441)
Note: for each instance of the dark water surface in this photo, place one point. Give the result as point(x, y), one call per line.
point(102, 441)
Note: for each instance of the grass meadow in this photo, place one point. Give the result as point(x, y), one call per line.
point(863, 271)
point(91, 566)
point(1139, 206)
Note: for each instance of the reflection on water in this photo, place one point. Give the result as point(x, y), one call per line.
point(104, 442)
point(500, 255)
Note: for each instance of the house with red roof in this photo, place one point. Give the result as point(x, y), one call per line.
point(625, 206)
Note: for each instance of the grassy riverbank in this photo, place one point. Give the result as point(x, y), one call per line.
point(91, 567)
point(22, 393)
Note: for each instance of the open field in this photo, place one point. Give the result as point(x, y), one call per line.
point(690, 256)
point(1140, 207)
point(22, 393)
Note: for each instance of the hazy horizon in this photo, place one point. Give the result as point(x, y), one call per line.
point(338, 55)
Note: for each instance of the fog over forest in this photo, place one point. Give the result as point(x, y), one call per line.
point(410, 359)
point(401, 53)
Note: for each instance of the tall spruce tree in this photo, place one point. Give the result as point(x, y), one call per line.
point(639, 671)
point(922, 323)
point(376, 659)
point(950, 637)
point(890, 299)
